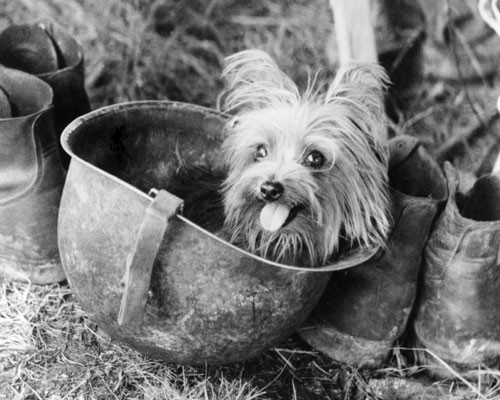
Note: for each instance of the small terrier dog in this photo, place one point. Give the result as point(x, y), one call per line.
point(307, 171)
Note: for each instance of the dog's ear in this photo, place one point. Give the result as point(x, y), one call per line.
point(361, 88)
point(361, 82)
point(253, 80)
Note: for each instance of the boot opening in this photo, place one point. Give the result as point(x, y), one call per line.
point(419, 176)
point(482, 202)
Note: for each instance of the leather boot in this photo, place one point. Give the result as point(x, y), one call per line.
point(31, 180)
point(366, 308)
point(55, 57)
point(458, 318)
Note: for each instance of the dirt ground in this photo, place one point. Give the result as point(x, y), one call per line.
point(49, 349)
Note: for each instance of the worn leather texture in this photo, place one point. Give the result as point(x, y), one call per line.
point(31, 182)
point(24, 46)
point(457, 317)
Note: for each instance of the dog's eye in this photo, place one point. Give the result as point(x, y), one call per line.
point(261, 152)
point(315, 159)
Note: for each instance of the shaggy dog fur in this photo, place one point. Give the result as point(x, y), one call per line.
point(307, 172)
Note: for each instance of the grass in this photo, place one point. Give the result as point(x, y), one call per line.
point(49, 349)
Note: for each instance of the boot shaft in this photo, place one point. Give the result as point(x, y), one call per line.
point(55, 57)
point(457, 315)
point(31, 181)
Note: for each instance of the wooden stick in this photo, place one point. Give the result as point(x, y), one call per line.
point(354, 31)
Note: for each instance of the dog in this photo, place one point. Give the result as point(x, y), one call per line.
point(307, 170)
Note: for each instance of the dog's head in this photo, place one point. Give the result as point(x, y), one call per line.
point(305, 170)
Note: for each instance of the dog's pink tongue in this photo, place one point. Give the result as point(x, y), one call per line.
point(273, 216)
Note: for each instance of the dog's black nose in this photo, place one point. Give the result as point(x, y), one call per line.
point(271, 191)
